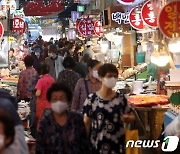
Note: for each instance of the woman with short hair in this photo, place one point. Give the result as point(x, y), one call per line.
point(41, 89)
point(104, 114)
point(61, 131)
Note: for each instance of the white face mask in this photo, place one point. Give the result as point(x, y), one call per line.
point(95, 74)
point(2, 141)
point(50, 54)
point(59, 107)
point(110, 82)
point(37, 53)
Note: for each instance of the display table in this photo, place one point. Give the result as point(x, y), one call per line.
point(149, 110)
point(151, 119)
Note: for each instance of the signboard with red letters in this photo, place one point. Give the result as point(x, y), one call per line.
point(1, 30)
point(8, 5)
point(169, 19)
point(85, 27)
point(148, 15)
point(135, 20)
point(19, 26)
point(98, 29)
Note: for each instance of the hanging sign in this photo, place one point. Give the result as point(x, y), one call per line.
point(85, 2)
point(120, 17)
point(169, 19)
point(18, 14)
point(86, 27)
point(77, 1)
point(6, 5)
point(98, 29)
point(75, 15)
point(135, 20)
point(19, 26)
point(148, 15)
point(1, 30)
point(129, 2)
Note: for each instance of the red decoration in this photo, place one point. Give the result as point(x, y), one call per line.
point(135, 20)
point(86, 27)
point(38, 8)
point(1, 30)
point(148, 15)
point(169, 19)
point(98, 29)
point(19, 26)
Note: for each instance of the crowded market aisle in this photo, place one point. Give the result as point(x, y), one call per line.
point(101, 78)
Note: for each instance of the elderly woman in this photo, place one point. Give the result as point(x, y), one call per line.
point(61, 131)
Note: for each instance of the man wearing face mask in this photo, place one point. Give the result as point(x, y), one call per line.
point(61, 131)
point(54, 61)
point(104, 113)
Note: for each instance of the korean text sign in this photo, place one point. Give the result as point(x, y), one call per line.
point(169, 19)
point(19, 26)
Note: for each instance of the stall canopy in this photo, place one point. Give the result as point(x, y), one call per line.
point(39, 8)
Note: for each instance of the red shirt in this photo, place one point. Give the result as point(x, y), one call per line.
point(43, 84)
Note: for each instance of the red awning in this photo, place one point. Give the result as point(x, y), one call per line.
point(38, 8)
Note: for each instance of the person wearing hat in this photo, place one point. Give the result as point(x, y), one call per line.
point(88, 50)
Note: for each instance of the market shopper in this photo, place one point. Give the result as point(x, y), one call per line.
point(62, 131)
point(69, 76)
point(104, 114)
point(81, 67)
point(41, 89)
point(54, 61)
point(24, 77)
point(9, 105)
point(89, 49)
point(37, 56)
point(86, 86)
point(7, 130)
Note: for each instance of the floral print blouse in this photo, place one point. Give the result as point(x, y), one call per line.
point(70, 138)
point(107, 134)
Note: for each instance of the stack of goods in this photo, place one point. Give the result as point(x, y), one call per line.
point(10, 81)
point(148, 100)
point(130, 72)
point(23, 109)
point(141, 67)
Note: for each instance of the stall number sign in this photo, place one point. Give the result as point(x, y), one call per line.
point(135, 20)
point(19, 26)
point(148, 15)
point(169, 19)
point(1, 30)
point(120, 17)
point(6, 5)
point(86, 27)
point(98, 29)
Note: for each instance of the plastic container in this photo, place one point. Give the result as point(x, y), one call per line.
point(140, 57)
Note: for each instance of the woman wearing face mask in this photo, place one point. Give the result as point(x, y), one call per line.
point(41, 89)
point(104, 112)
point(86, 86)
point(7, 131)
point(54, 61)
point(62, 131)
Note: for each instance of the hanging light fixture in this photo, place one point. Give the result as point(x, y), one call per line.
point(174, 44)
point(159, 56)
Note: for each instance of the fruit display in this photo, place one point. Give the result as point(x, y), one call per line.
point(148, 100)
